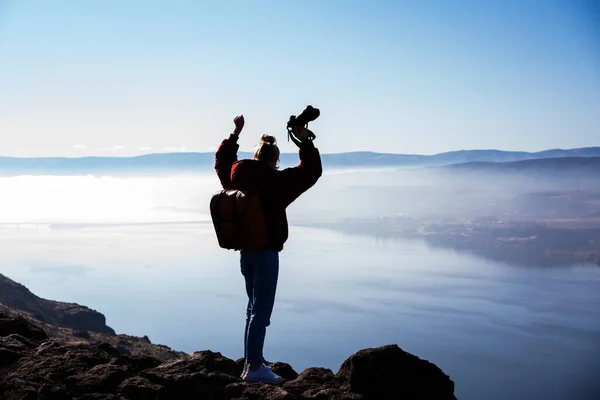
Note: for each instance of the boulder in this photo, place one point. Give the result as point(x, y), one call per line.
point(388, 372)
point(15, 325)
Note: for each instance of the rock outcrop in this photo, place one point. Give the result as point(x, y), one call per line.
point(33, 366)
point(67, 315)
point(73, 323)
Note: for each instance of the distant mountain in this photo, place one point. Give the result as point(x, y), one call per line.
point(465, 156)
point(559, 165)
point(372, 159)
point(199, 162)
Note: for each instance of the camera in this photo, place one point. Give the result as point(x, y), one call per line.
point(307, 115)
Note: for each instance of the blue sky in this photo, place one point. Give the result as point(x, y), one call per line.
point(129, 77)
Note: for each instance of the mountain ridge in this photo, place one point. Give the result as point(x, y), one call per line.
point(198, 162)
point(558, 164)
point(589, 149)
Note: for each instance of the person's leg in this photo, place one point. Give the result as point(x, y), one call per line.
point(266, 272)
point(248, 273)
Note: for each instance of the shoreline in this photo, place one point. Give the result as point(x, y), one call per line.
point(529, 242)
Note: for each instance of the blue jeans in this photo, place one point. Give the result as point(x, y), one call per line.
point(260, 270)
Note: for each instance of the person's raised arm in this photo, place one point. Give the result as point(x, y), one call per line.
point(226, 154)
point(296, 180)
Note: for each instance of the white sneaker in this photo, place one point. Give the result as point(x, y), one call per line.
point(246, 365)
point(263, 374)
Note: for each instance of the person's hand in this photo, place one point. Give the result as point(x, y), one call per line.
point(239, 124)
point(300, 132)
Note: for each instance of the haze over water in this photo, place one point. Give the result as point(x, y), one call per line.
point(142, 251)
point(129, 78)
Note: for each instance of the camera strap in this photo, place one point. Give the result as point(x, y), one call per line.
point(311, 136)
point(291, 136)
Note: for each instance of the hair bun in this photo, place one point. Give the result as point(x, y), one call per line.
point(267, 139)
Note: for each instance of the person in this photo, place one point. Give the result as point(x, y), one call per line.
point(277, 189)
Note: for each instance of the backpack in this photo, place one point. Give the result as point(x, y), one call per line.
point(238, 219)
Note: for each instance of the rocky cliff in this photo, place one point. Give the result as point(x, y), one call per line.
point(67, 315)
point(32, 366)
point(73, 323)
point(42, 361)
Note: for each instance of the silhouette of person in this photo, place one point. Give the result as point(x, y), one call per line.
point(277, 189)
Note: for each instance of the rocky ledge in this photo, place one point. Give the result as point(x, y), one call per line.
point(73, 323)
point(55, 313)
point(33, 366)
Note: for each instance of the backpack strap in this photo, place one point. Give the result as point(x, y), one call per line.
point(236, 217)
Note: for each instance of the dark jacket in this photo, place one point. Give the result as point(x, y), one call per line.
point(278, 189)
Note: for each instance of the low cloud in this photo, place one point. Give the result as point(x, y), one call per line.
point(114, 148)
point(79, 146)
point(177, 149)
point(146, 148)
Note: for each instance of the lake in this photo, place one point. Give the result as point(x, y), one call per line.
point(142, 251)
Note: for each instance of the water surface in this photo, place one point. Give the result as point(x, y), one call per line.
point(499, 331)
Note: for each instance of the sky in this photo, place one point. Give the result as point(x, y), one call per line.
point(129, 77)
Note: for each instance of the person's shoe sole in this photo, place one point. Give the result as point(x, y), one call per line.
point(265, 381)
